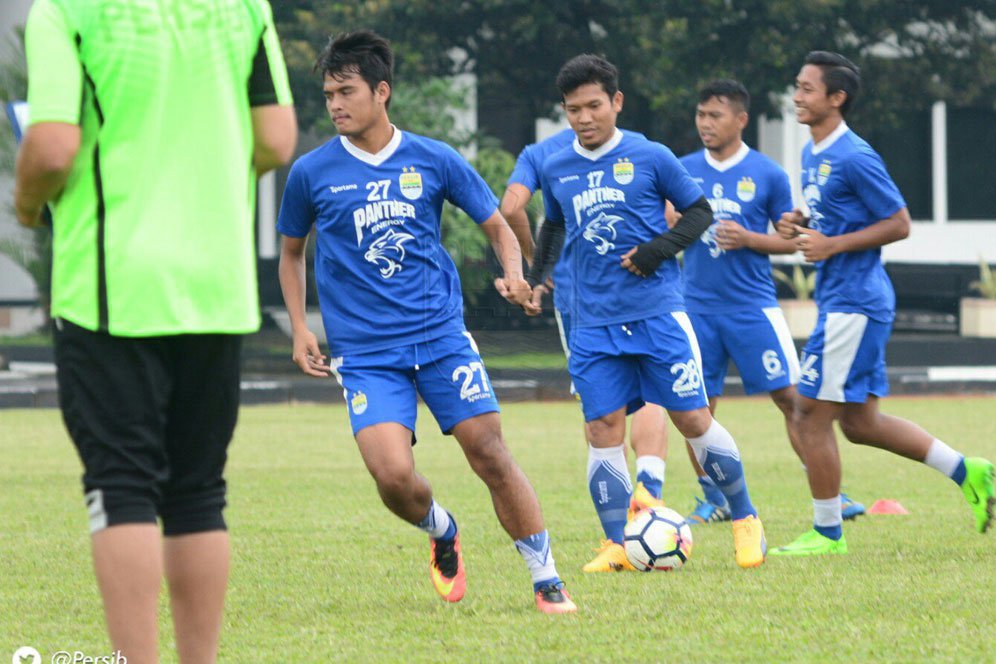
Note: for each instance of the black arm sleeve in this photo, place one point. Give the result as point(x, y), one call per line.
point(694, 221)
point(549, 244)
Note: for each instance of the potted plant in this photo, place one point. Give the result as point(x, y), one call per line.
point(978, 314)
point(800, 313)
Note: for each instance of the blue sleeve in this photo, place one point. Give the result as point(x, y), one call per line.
point(525, 171)
point(673, 181)
point(466, 189)
point(551, 207)
point(870, 180)
point(297, 211)
point(780, 198)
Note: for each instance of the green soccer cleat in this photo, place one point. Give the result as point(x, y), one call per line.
point(811, 543)
point(978, 490)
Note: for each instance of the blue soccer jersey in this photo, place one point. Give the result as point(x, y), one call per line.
point(529, 165)
point(612, 199)
point(383, 276)
point(847, 188)
point(750, 189)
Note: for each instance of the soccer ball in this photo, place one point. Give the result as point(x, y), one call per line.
point(658, 539)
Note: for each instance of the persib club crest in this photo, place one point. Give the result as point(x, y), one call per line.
point(411, 183)
point(746, 189)
point(823, 173)
point(623, 171)
point(358, 403)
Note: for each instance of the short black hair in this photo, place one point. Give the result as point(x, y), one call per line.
point(839, 74)
point(734, 91)
point(587, 68)
point(362, 52)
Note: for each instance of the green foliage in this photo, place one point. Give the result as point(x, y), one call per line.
point(986, 285)
point(321, 571)
point(911, 54)
point(801, 284)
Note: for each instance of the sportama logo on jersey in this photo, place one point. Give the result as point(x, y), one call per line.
point(601, 231)
point(411, 183)
point(746, 189)
point(388, 252)
point(623, 171)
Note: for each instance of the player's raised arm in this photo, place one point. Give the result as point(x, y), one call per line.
point(816, 246)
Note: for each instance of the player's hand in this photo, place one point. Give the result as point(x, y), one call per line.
point(670, 214)
point(514, 289)
point(731, 235)
point(790, 223)
point(307, 356)
point(628, 263)
point(535, 305)
point(814, 245)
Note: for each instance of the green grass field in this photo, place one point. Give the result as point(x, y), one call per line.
point(321, 572)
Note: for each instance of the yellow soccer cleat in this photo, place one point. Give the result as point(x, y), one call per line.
point(641, 500)
point(749, 542)
point(611, 558)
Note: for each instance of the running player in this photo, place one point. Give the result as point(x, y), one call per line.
point(648, 429)
point(729, 291)
point(630, 339)
point(392, 307)
point(854, 210)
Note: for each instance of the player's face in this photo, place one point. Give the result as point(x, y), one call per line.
point(812, 104)
point(720, 123)
point(352, 105)
point(592, 113)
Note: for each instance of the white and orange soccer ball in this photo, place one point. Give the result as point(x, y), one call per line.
point(658, 539)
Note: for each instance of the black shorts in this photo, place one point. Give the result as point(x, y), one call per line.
point(151, 418)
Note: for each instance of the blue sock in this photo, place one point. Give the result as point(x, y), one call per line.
point(712, 492)
point(832, 532)
point(451, 531)
point(610, 489)
point(433, 523)
point(959, 472)
point(727, 473)
point(651, 484)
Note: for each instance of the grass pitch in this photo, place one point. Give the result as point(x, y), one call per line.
point(322, 572)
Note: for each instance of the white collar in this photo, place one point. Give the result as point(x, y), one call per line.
point(601, 150)
point(831, 138)
point(729, 162)
point(374, 159)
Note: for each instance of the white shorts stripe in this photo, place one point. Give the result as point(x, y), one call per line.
point(842, 336)
point(693, 341)
point(778, 324)
point(563, 335)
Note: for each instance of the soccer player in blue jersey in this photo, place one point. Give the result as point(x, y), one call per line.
point(630, 336)
point(854, 210)
point(648, 432)
point(392, 307)
point(729, 292)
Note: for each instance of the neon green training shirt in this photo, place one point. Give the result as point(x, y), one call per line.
point(154, 231)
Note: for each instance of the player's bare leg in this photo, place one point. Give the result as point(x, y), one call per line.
point(386, 449)
point(515, 501)
point(197, 573)
point(516, 506)
point(128, 563)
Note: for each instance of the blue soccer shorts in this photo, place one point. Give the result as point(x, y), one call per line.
point(655, 360)
point(844, 359)
point(384, 386)
point(759, 343)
